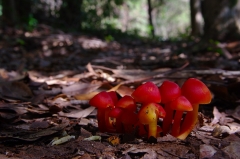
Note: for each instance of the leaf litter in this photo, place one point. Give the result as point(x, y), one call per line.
point(52, 96)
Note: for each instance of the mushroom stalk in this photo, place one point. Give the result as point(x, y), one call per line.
point(189, 122)
point(108, 121)
point(152, 129)
point(167, 121)
point(101, 119)
point(176, 123)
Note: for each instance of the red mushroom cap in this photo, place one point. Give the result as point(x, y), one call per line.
point(114, 97)
point(102, 100)
point(115, 112)
point(146, 93)
point(196, 91)
point(128, 103)
point(181, 104)
point(160, 111)
point(169, 91)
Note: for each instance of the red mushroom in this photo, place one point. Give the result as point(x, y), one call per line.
point(129, 120)
point(197, 93)
point(180, 104)
point(116, 113)
point(169, 91)
point(101, 101)
point(114, 97)
point(146, 93)
point(127, 102)
point(148, 115)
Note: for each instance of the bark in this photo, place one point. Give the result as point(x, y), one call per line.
point(9, 16)
point(70, 13)
point(15, 12)
point(196, 18)
point(150, 21)
point(222, 19)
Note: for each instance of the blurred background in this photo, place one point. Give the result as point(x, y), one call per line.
point(159, 19)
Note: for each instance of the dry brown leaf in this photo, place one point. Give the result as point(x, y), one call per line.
point(132, 74)
point(220, 117)
point(15, 90)
point(78, 113)
point(167, 138)
point(206, 151)
point(236, 113)
point(233, 150)
point(86, 96)
point(39, 125)
point(80, 88)
point(124, 90)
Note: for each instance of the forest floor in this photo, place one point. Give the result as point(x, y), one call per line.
point(47, 78)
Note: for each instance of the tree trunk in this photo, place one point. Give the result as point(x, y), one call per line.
point(196, 18)
point(9, 16)
point(70, 13)
point(16, 12)
point(222, 19)
point(150, 18)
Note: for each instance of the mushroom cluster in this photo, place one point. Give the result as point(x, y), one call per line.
point(169, 102)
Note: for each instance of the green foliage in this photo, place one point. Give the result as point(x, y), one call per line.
point(20, 41)
point(215, 48)
point(109, 38)
point(0, 9)
point(32, 22)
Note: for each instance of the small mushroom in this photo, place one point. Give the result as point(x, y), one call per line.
point(148, 115)
point(197, 93)
point(101, 101)
point(169, 91)
point(180, 105)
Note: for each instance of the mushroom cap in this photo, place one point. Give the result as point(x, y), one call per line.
point(146, 93)
point(115, 112)
point(150, 113)
point(127, 102)
point(102, 100)
point(114, 97)
point(196, 91)
point(169, 91)
point(181, 104)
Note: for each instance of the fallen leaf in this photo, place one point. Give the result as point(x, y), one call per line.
point(206, 151)
point(220, 117)
point(167, 138)
point(236, 113)
point(39, 125)
point(80, 88)
point(92, 138)
point(15, 90)
point(233, 150)
point(84, 121)
point(221, 130)
point(78, 113)
point(86, 96)
point(62, 140)
point(114, 140)
point(124, 90)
